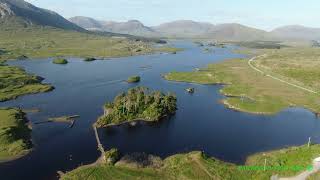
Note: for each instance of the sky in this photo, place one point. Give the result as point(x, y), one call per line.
point(263, 14)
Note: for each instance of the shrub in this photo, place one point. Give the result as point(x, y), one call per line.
point(89, 59)
point(60, 61)
point(134, 79)
point(112, 156)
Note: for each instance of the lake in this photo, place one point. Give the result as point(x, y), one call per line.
point(201, 122)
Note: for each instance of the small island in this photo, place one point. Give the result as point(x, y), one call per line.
point(134, 79)
point(190, 90)
point(15, 135)
point(138, 104)
point(89, 59)
point(60, 61)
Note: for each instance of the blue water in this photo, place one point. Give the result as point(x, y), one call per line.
point(201, 122)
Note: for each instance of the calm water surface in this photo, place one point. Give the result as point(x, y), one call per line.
point(201, 123)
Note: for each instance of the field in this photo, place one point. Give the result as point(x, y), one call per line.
point(14, 134)
point(250, 91)
point(19, 41)
point(37, 42)
point(196, 165)
point(300, 66)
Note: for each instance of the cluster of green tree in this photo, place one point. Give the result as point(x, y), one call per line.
point(112, 156)
point(138, 104)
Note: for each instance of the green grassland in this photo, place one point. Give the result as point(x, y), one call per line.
point(296, 159)
point(16, 82)
point(260, 44)
point(14, 134)
point(251, 91)
point(196, 165)
point(37, 42)
point(21, 40)
point(299, 65)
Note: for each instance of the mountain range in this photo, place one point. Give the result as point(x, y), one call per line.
point(19, 12)
point(193, 29)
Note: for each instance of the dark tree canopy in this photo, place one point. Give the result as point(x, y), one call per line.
point(138, 104)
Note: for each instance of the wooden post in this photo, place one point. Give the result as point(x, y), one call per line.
point(309, 142)
point(265, 162)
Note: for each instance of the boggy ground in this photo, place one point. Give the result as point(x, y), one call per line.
point(251, 91)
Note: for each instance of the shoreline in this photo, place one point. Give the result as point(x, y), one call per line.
point(135, 121)
point(254, 160)
point(16, 157)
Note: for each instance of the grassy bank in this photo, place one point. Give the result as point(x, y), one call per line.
point(196, 165)
point(251, 91)
point(16, 82)
point(138, 104)
point(14, 134)
point(285, 162)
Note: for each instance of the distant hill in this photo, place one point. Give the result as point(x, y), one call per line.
point(184, 28)
point(175, 29)
point(132, 27)
point(19, 12)
point(86, 22)
point(296, 32)
point(236, 32)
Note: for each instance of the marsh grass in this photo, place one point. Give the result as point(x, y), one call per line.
point(268, 95)
point(14, 134)
point(15, 82)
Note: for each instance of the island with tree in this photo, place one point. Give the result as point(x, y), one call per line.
point(134, 79)
point(138, 103)
point(60, 61)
